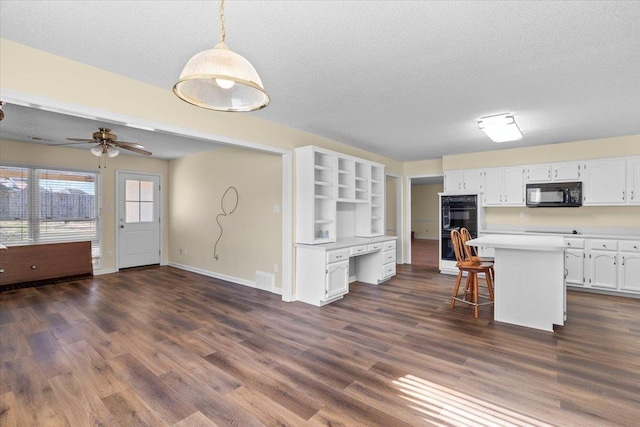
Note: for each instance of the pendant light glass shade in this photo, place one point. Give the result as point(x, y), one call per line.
point(220, 79)
point(97, 150)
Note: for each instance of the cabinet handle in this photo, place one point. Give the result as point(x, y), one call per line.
point(623, 195)
point(615, 259)
point(33, 267)
point(622, 260)
point(604, 246)
point(556, 174)
point(631, 194)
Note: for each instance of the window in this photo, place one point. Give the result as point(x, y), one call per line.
point(49, 205)
point(139, 201)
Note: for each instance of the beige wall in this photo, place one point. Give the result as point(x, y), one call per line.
point(32, 71)
point(580, 150)
point(424, 210)
point(252, 238)
point(42, 155)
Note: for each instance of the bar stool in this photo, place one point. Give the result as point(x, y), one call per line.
point(472, 268)
point(472, 251)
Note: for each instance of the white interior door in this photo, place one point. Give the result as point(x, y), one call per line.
point(138, 219)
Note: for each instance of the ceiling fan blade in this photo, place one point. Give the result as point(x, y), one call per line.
point(137, 150)
point(81, 139)
point(125, 144)
point(71, 143)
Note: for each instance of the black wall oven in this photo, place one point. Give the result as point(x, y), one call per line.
point(457, 212)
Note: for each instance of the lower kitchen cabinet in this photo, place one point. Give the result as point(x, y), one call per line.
point(337, 279)
point(323, 272)
point(574, 266)
point(603, 270)
point(629, 266)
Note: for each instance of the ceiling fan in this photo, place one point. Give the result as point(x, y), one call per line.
point(108, 144)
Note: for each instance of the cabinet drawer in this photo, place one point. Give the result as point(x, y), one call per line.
point(357, 250)
point(389, 269)
point(338, 255)
point(375, 246)
point(389, 256)
point(574, 243)
point(610, 245)
point(389, 245)
point(629, 245)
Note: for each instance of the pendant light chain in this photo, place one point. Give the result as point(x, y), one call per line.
point(222, 31)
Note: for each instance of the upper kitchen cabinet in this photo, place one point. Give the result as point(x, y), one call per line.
point(504, 186)
point(633, 181)
point(605, 182)
point(559, 172)
point(326, 182)
point(468, 181)
point(316, 193)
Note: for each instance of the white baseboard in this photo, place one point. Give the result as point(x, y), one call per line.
point(101, 271)
point(232, 279)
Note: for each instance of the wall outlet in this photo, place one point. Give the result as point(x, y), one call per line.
point(276, 208)
point(109, 254)
point(275, 268)
point(522, 214)
point(180, 251)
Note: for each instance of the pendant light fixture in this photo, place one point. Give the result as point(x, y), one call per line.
point(220, 79)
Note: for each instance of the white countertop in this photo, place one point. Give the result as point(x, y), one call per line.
point(348, 242)
point(617, 234)
point(520, 242)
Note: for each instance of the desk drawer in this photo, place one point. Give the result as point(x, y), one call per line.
point(388, 256)
point(337, 255)
point(574, 243)
point(389, 245)
point(629, 245)
point(375, 246)
point(357, 250)
point(389, 269)
point(608, 245)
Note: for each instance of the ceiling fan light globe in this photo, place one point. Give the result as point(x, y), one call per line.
point(97, 151)
point(112, 152)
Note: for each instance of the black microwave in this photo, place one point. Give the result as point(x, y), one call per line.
point(554, 194)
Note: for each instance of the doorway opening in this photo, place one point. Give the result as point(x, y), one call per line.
point(424, 220)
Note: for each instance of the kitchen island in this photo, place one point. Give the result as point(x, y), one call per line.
point(529, 279)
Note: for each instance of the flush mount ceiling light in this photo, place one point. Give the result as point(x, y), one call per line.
point(500, 128)
point(220, 79)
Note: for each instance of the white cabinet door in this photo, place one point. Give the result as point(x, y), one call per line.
point(493, 187)
point(453, 181)
point(337, 279)
point(472, 180)
point(539, 173)
point(574, 265)
point(603, 269)
point(633, 181)
point(514, 186)
point(629, 271)
point(605, 182)
point(569, 171)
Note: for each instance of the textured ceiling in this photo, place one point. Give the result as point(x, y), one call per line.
point(405, 79)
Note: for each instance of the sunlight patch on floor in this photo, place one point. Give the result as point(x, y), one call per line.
point(455, 408)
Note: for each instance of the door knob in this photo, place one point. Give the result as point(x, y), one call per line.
point(121, 226)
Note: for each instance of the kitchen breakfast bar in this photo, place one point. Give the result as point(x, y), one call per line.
point(529, 279)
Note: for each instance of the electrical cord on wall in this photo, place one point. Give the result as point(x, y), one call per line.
point(224, 213)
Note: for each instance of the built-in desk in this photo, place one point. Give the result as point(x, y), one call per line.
point(323, 272)
point(529, 279)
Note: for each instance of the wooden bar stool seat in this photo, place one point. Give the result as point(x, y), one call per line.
point(472, 268)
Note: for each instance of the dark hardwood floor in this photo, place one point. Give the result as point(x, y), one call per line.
point(424, 253)
point(161, 346)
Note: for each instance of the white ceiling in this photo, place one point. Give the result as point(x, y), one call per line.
point(405, 79)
